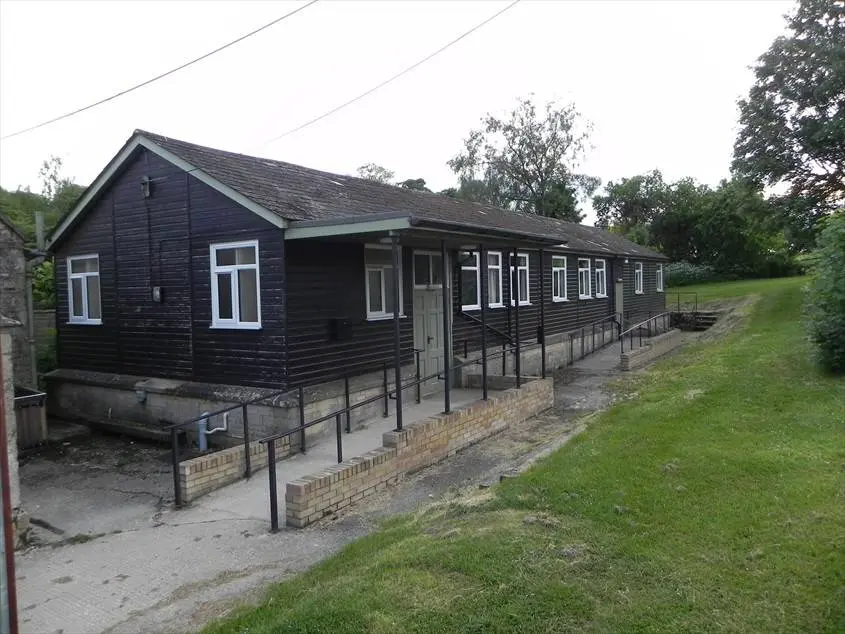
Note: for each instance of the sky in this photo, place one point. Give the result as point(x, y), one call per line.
point(657, 80)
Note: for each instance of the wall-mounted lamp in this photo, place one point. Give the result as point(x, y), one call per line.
point(146, 186)
point(626, 260)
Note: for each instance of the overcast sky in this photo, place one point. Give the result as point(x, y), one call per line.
point(658, 80)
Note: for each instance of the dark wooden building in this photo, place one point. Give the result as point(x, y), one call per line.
point(188, 263)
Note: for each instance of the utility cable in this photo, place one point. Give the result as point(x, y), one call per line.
point(161, 76)
point(393, 78)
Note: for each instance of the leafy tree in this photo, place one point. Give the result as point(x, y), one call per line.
point(825, 304)
point(43, 286)
point(631, 204)
point(377, 173)
point(792, 125)
point(417, 184)
point(527, 160)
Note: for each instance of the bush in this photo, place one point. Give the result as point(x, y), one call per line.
point(825, 302)
point(684, 274)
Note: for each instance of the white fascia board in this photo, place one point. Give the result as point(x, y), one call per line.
point(341, 228)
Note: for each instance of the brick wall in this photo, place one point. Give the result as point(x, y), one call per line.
point(418, 445)
point(657, 347)
point(205, 474)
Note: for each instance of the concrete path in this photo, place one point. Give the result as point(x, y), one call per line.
point(180, 569)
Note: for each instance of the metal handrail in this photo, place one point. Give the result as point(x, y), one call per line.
point(665, 317)
point(678, 294)
point(492, 329)
point(270, 441)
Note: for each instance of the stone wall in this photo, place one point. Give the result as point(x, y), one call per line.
point(45, 327)
point(656, 347)
point(208, 473)
point(418, 445)
point(7, 386)
point(13, 300)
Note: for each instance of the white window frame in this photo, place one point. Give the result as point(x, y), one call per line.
point(638, 278)
point(555, 271)
point(495, 267)
point(430, 255)
point(527, 269)
point(84, 319)
point(588, 277)
point(603, 271)
point(235, 322)
point(471, 267)
point(659, 278)
point(386, 273)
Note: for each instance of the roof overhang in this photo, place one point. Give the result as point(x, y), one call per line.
point(116, 164)
point(384, 223)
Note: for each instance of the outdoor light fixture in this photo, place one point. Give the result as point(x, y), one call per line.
point(146, 186)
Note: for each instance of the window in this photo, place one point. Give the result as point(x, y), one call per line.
point(559, 291)
point(522, 279)
point(494, 279)
point(379, 282)
point(601, 279)
point(235, 285)
point(470, 287)
point(659, 274)
point(83, 289)
point(585, 289)
point(638, 278)
point(428, 269)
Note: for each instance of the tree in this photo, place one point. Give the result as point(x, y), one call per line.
point(527, 160)
point(377, 173)
point(417, 184)
point(792, 125)
point(631, 204)
point(825, 304)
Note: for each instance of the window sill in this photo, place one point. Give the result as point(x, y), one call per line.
point(522, 304)
point(558, 300)
point(638, 293)
point(469, 308)
point(235, 327)
point(601, 296)
point(585, 297)
point(383, 317)
point(87, 322)
point(659, 290)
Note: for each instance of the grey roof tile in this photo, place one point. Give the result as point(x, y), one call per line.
point(298, 193)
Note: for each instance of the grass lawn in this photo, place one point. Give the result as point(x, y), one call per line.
point(714, 501)
point(728, 290)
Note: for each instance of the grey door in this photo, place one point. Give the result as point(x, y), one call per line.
point(619, 299)
point(428, 315)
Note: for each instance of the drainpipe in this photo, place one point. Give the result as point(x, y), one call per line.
point(8, 524)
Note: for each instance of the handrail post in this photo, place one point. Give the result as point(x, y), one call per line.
point(542, 333)
point(339, 439)
point(384, 385)
point(301, 419)
point(396, 253)
point(174, 457)
point(582, 342)
point(346, 399)
point(247, 457)
point(593, 349)
point(271, 474)
point(515, 297)
point(419, 387)
point(447, 336)
point(485, 298)
point(571, 349)
point(504, 359)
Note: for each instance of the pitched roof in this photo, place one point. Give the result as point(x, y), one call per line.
point(299, 195)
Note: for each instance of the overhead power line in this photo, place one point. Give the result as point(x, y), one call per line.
point(161, 76)
point(393, 78)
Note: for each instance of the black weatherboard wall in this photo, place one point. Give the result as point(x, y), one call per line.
point(559, 316)
point(326, 283)
point(163, 240)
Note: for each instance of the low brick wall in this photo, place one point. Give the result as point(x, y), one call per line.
point(208, 473)
point(418, 445)
point(657, 347)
